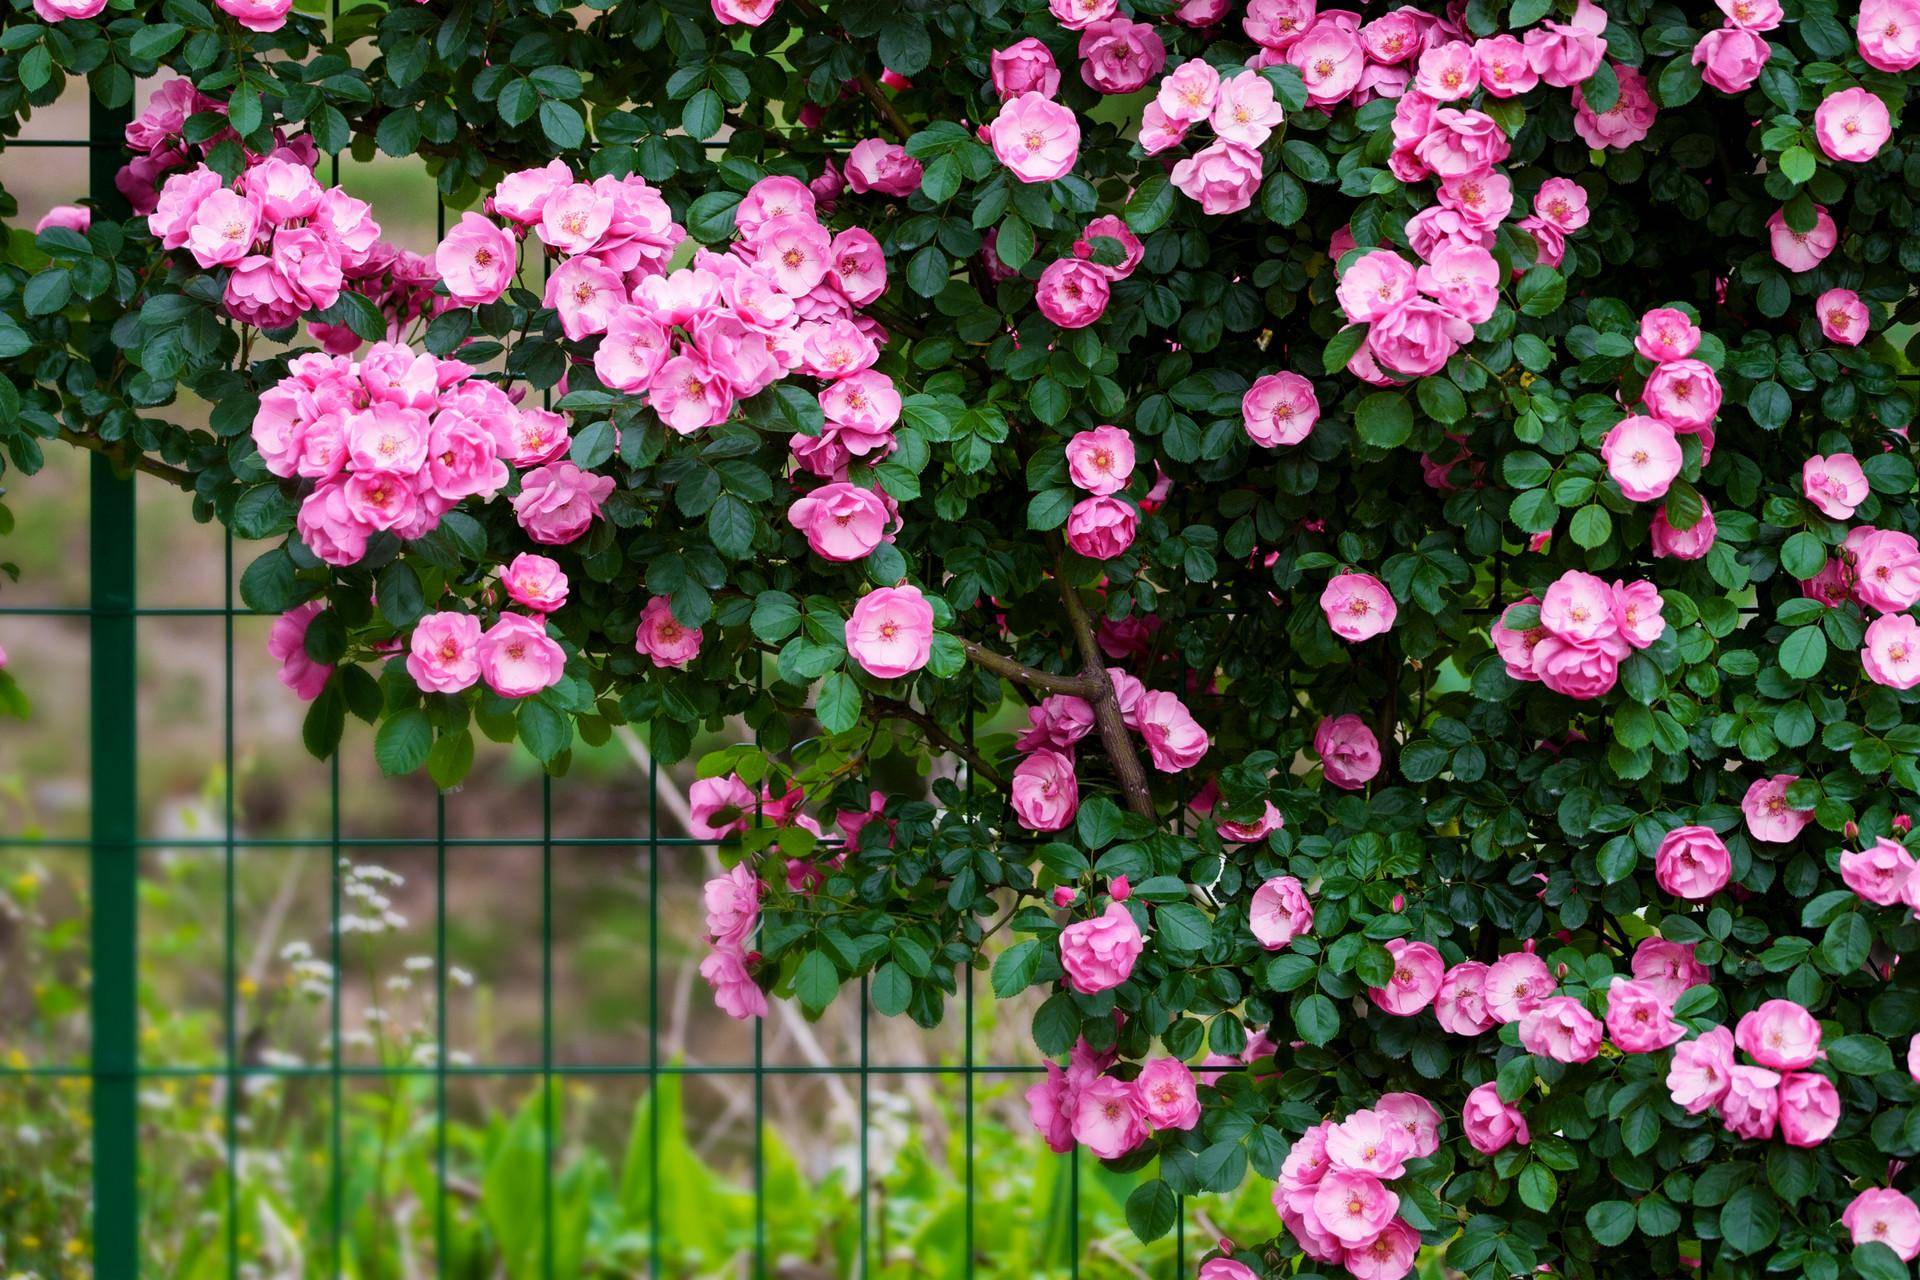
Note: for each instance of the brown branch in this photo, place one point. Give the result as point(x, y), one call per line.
point(1114, 735)
point(868, 85)
point(1020, 673)
point(118, 454)
point(938, 737)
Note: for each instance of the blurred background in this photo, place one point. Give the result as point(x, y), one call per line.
point(568, 942)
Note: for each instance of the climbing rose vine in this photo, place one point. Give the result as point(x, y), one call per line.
point(1366, 558)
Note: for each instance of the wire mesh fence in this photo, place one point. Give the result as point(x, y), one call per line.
point(125, 1082)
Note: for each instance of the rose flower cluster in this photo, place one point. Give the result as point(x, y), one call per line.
point(1579, 634)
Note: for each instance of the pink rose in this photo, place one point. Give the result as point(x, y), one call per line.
point(878, 165)
point(1058, 722)
point(1175, 741)
point(1329, 57)
point(749, 13)
point(1109, 226)
point(1640, 1017)
point(1224, 1268)
point(1492, 1125)
point(1459, 143)
point(1222, 177)
point(444, 652)
point(1101, 528)
point(1417, 969)
point(1730, 58)
point(1560, 1028)
point(1809, 1108)
point(1889, 34)
point(535, 582)
point(1415, 1121)
point(1165, 1095)
point(1801, 251)
point(1367, 1142)
point(719, 807)
point(1843, 316)
point(1668, 967)
point(1835, 484)
point(586, 294)
point(62, 10)
point(1046, 794)
point(517, 659)
point(1072, 293)
point(1418, 337)
point(663, 638)
point(1701, 1071)
point(1881, 873)
point(1270, 820)
point(734, 990)
point(1374, 284)
point(1779, 1034)
point(1100, 461)
point(1754, 15)
point(1751, 1106)
point(558, 501)
point(1582, 669)
point(1505, 69)
point(1892, 653)
point(1076, 15)
point(223, 229)
point(1463, 278)
point(1448, 72)
point(1157, 132)
point(1050, 1108)
point(1643, 456)
point(1245, 111)
point(1358, 606)
point(1349, 753)
point(1119, 56)
point(841, 521)
point(329, 526)
point(1852, 125)
point(287, 645)
point(521, 197)
point(1460, 1004)
point(1684, 394)
point(1280, 912)
point(1769, 817)
point(1035, 137)
point(1515, 984)
point(1099, 954)
point(1025, 66)
point(1667, 334)
point(71, 217)
point(1388, 1256)
point(1279, 409)
point(257, 15)
point(1566, 53)
point(1354, 1208)
point(1187, 94)
point(733, 905)
point(890, 632)
point(1626, 122)
point(1683, 544)
point(1886, 568)
point(1692, 863)
point(1880, 1214)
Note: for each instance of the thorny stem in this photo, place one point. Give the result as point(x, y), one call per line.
point(1020, 673)
point(1114, 735)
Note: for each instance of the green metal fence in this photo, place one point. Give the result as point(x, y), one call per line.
point(114, 1070)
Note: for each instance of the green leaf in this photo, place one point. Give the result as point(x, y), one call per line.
point(732, 525)
point(1538, 1190)
point(1183, 926)
point(1860, 1055)
point(1151, 1210)
point(816, 982)
point(1148, 209)
point(1797, 164)
point(838, 704)
point(1875, 1261)
point(1750, 1219)
point(563, 126)
point(1591, 526)
point(1541, 291)
point(1803, 653)
point(263, 512)
point(1384, 419)
point(545, 731)
point(48, 291)
point(891, 990)
point(905, 46)
point(1049, 508)
point(1845, 945)
point(702, 115)
point(269, 584)
point(1098, 823)
point(450, 759)
point(1315, 1018)
point(402, 743)
point(1016, 968)
point(1803, 555)
point(1770, 405)
point(1611, 1221)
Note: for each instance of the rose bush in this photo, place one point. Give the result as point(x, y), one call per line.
point(1402, 521)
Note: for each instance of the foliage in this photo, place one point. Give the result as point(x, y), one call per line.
point(1499, 815)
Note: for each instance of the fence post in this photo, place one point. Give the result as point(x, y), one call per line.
point(114, 862)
